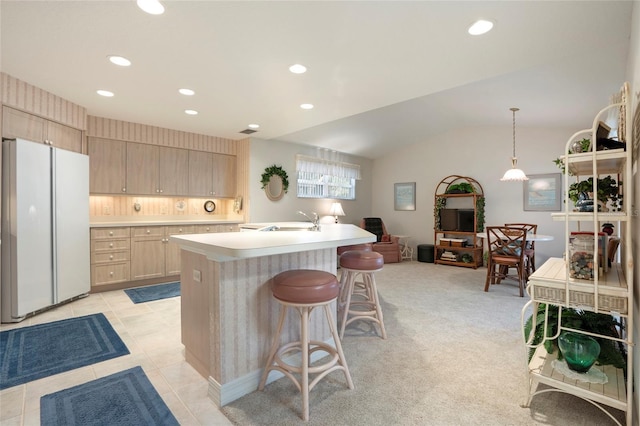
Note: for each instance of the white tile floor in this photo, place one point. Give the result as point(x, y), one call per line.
point(151, 331)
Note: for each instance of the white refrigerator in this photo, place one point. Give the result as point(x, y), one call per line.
point(45, 227)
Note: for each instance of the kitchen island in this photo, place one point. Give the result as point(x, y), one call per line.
point(228, 314)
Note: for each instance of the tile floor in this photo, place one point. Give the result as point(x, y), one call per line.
point(151, 331)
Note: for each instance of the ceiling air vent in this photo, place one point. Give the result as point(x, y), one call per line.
point(248, 131)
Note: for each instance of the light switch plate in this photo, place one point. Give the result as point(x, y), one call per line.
point(197, 276)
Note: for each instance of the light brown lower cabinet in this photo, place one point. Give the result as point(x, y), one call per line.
point(110, 256)
point(152, 255)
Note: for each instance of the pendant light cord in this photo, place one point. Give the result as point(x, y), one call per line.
point(514, 130)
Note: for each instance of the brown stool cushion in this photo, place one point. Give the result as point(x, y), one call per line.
point(305, 286)
point(365, 247)
point(361, 260)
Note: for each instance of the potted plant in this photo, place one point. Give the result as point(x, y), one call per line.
point(461, 188)
point(608, 191)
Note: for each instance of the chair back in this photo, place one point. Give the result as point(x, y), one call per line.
point(531, 228)
point(375, 226)
point(507, 241)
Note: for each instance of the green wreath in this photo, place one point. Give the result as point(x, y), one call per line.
point(278, 171)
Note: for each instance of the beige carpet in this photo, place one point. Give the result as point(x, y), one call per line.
point(454, 356)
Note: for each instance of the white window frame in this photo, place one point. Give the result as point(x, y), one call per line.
point(316, 178)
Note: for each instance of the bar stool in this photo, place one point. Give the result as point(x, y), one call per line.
point(304, 290)
point(366, 304)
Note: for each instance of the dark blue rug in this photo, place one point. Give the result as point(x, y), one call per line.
point(124, 398)
point(38, 351)
point(153, 292)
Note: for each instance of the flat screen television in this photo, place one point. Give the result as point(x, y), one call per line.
point(466, 219)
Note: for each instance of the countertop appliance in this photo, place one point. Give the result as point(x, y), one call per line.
point(45, 227)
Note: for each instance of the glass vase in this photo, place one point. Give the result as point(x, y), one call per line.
point(579, 350)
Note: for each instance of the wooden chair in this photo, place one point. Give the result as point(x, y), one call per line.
point(506, 250)
point(530, 250)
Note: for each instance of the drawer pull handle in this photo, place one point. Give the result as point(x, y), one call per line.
point(111, 257)
point(148, 231)
point(110, 244)
point(110, 233)
point(111, 273)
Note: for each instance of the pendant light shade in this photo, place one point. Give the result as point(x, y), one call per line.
point(514, 174)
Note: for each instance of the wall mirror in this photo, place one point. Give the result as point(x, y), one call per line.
point(274, 189)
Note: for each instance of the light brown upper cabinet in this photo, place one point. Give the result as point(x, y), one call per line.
point(18, 124)
point(224, 175)
point(107, 166)
point(173, 171)
point(212, 174)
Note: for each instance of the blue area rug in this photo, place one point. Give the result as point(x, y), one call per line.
point(38, 351)
point(124, 398)
point(153, 292)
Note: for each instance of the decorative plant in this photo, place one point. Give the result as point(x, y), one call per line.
point(461, 188)
point(608, 190)
point(441, 203)
point(480, 214)
point(277, 171)
point(576, 147)
point(611, 352)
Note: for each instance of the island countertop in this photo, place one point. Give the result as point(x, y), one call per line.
point(227, 246)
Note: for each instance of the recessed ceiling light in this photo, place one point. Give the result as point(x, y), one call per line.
point(253, 126)
point(153, 7)
point(481, 26)
point(119, 60)
point(298, 69)
point(105, 93)
point(306, 106)
point(191, 112)
point(187, 92)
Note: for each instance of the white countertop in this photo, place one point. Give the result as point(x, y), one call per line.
point(226, 246)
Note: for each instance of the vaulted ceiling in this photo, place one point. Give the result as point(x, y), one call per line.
point(380, 74)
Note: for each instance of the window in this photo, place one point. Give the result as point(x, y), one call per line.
point(318, 178)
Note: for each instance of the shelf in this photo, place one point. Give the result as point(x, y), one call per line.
point(548, 284)
point(588, 216)
point(613, 393)
point(455, 248)
point(607, 162)
point(451, 262)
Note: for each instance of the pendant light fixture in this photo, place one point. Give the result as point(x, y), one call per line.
point(514, 174)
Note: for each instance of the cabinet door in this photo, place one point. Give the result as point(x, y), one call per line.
point(173, 166)
point(172, 254)
point(18, 124)
point(200, 174)
point(107, 166)
point(64, 137)
point(147, 252)
point(224, 175)
point(142, 169)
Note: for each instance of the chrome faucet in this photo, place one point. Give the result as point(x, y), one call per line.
point(316, 225)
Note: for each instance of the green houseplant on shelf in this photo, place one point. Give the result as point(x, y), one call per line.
point(608, 191)
point(611, 352)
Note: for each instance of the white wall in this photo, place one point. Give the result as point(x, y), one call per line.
point(483, 153)
point(266, 153)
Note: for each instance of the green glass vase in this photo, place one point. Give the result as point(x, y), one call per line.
point(579, 350)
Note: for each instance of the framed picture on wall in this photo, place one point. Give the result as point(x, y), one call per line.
point(543, 192)
point(404, 196)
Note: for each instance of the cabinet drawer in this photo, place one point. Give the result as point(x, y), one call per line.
point(110, 245)
point(109, 274)
point(177, 230)
point(147, 231)
point(110, 256)
point(106, 233)
point(206, 229)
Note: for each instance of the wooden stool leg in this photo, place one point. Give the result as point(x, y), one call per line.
point(351, 277)
point(304, 341)
point(376, 300)
point(336, 340)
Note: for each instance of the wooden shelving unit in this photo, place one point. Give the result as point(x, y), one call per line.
point(609, 292)
point(469, 253)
